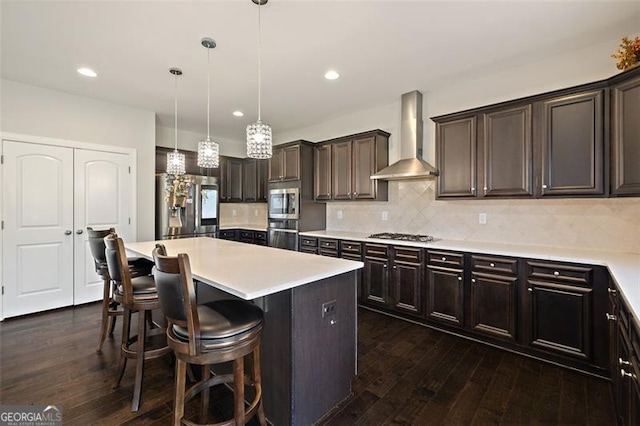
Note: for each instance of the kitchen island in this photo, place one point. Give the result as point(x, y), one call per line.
point(309, 338)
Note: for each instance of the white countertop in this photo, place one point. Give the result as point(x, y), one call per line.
point(246, 270)
point(252, 227)
point(623, 267)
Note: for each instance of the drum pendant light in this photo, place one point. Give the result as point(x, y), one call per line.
point(175, 159)
point(208, 150)
point(259, 133)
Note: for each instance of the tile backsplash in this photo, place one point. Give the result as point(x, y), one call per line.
point(594, 223)
point(243, 214)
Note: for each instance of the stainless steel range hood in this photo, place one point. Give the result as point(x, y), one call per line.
point(411, 165)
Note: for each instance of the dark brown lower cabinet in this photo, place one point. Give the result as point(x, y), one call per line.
point(445, 295)
point(493, 305)
point(375, 280)
point(407, 281)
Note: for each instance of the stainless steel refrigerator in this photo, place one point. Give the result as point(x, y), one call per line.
point(186, 206)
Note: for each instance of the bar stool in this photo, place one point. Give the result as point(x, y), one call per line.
point(137, 267)
point(212, 333)
point(135, 295)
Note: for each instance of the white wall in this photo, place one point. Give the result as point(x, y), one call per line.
point(36, 111)
point(165, 136)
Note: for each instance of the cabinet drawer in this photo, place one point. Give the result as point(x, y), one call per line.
point(260, 237)
point(227, 234)
point(408, 255)
point(499, 265)
point(445, 258)
point(310, 250)
point(349, 256)
point(329, 253)
point(328, 244)
point(246, 235)
point(351, 247)
point(376, 250)
point(308, 242)
point(560, 272)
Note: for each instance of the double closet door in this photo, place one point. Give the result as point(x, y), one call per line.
point(50, 195)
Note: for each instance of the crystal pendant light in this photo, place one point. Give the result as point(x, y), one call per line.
point(208, 150)
point(175, 159)
point(259, 133)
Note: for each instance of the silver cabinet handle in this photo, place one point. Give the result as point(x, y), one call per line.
point(395, 267)
point(544, 186)
point(473, 189)
point(611, 317)
point(444, 259)
point(623, 362)
point(624, 373)
point(68, 232)
point(473, 280)
point(459, 278)
point(612, 291)
point(492, 265)
point(79, 232)
point(355, 194)
point(530, 289)
point(556, 273)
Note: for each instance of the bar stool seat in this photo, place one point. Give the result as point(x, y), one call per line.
point(207, 334)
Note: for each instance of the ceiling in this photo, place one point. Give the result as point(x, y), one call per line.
point(381, 49)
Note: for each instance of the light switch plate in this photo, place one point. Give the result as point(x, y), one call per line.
point(482, 218)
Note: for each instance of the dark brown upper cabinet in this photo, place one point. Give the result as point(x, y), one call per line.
point(322, 169)
point(456, 149)
point(572, 144)
point(254, 180)
point(343, 167)
point(284, 164)
point(231, 180)
point(507, 166)
point(547, 145)
point(625, 133)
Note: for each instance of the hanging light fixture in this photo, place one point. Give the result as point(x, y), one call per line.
point(259, 133)
point(208, 150)
point(175, 159)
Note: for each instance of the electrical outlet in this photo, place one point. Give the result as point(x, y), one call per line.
point(339, 214)
point(329, 309)
point(385, 215)
point(255, 212)
point(233, 212)
point(482, 218)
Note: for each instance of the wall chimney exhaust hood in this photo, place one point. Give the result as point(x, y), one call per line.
point(411, 165)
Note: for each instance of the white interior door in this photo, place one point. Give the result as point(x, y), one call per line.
point(37, 242)
point(102, 200)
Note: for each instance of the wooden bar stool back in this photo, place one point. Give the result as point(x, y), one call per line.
point(135, 295)
point(212, 333)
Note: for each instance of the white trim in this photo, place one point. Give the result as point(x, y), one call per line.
point(133, 156)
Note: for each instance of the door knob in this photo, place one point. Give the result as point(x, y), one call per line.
point(79, 231)
point(68, 232)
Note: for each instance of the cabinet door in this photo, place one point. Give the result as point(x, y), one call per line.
point(275, 165)
point(375, 281)
point(363, 166)
point(445, 295)
point(322, 176)
point(573, 145)
point(341, 182)
point(507, 153)
point(250, 180)
point(622, 384)
point(262, 175)
point(493, 305)
point(291, 163)
point(456, 146)
point(625, 138)
point(560, 318)
point(406, 288)
point(234, 180)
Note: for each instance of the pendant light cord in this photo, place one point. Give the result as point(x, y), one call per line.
point(175, 110)
point(208, 92)
point(259, 61)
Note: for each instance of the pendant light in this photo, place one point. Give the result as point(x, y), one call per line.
point(259, 133)
point(175, 159)
point(208, 150)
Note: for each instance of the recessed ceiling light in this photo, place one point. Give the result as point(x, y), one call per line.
point(238, 113)
point(87, 72)
point(331, 75)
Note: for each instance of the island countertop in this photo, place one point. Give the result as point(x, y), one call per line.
point(245, 270)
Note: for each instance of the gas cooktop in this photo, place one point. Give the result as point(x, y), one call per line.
point(403, 237)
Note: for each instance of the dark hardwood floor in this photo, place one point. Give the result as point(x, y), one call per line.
point(408, 374)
